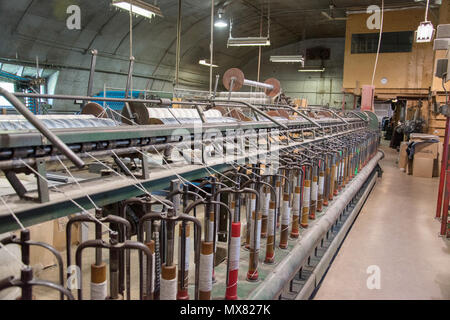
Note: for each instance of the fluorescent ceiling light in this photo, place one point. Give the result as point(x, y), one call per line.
point(312, 70)
point(249, 42)
point(425, 32)
point(205, 62)
point(287, 59)
point(139, 7)
point(221, 23)
point(325, 14)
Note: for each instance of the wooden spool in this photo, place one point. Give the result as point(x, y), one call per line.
point(94, 109)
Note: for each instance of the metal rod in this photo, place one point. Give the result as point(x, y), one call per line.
point(258, 78)
point(61, 146)
point(215, 86)
point(130, 78)
point(211, 48)
point(92, 72)
point(178, 50)
point(257, 84)
point(303, 116)
point(258, 111)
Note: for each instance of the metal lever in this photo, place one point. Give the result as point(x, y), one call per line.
point(61, 146)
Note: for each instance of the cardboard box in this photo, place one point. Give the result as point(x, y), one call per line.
point(42, 233)
point(59, 233)
point(436, 172)
point(304, 103)
point(403, 156)
point(422, 136)
point(441, 150)
point(427, 150)
point(423, 167)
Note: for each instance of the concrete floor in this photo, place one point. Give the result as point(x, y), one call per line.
point(396, 232)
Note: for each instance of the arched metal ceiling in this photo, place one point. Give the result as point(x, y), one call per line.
point(38, 28)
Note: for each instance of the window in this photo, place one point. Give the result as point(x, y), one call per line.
point(390, 42)
point(7, 86)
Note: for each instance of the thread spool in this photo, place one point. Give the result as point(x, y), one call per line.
point(250, 212)
point(341, 175)
point(296, 213)
point(285, 221)
point(182, 293)
point(210, 235)
point(265, 211)
point(235, 76)
point(278, 193)
point(346, 172)
point(99, 284)
point(94, 109)
point(157, 277)
point(321, 189)
point(255, 244)
point(211, 218)
point(337, 177)
point(151, 246)
point(352, 166)
point(234, 256)
point(270, 253)
point(327, 186)
point(206, 270)
point(306, 203)
point(168, 283)
point(314, 197)
point(332, 182)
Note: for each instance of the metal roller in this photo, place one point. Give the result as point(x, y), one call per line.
point(234, 80)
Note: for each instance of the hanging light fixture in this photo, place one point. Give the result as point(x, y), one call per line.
point(288, 59)
point(251, 41)
point(425, 31)
point(205, 62)
point(221, 22)
point(312, 69)
point(139, 7)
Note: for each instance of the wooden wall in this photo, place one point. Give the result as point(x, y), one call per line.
point(408, 73)
point(436, 124)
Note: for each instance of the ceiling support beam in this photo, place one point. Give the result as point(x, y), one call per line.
point(275, 21)
point(22, 16)
point(101, 30)
point(127, 35)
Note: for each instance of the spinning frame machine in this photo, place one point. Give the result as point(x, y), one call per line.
point(274, 189)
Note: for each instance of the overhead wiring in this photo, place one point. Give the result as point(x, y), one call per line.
point(379, 43)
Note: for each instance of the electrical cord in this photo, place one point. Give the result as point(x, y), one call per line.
point(379, 43)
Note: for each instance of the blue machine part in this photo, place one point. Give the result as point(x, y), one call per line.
point(10, 76)
point(116, 106)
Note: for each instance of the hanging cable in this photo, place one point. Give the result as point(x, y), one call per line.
point(76, 182)
point(12, 213)
point(138, 185)
point(426, 10)
point(379, 42)
point(131, 42)
point(22, 265)
point(211, 48)
point(70, 199)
